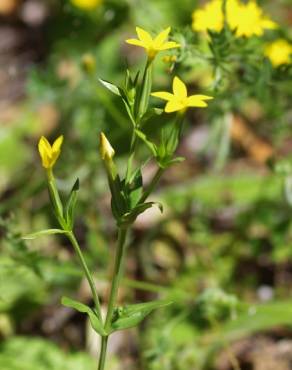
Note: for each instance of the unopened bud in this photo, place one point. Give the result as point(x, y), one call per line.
point(106, 150)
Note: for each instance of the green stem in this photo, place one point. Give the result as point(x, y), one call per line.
point(117, 276)
point(102, 355)
point(152, 185)
point(88, 275)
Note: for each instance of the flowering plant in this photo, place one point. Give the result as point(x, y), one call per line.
point(129, 195)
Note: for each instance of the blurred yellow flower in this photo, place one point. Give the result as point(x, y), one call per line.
point(209, 18)
point(179, 100)
point(86, 4)
point(247, 19)
point(153, 46)
point(49, 153)
point(279, 52)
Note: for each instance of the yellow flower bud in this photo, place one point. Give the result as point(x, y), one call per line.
point(49, 153)
point(106, 150)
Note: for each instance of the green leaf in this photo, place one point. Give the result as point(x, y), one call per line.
point(131, 315)
point(135, 188)
point(43, 233)
point(149, 143)
point(131, 216)
point(111, 87)
point(152, 112)
point(81, 307)
point(70, 206)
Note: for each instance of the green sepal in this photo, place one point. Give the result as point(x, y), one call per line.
point(130, 316)
point(81, 307)
point(71, 204)
point(43, 233)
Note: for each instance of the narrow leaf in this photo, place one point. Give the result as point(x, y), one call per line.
point(81, 307)
point(111, 87)
point(131, 315)
point(43, 233)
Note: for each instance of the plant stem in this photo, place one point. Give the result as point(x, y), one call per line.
point(88, 274)
point(102, 355)
point(117, 276)
point(152, 185)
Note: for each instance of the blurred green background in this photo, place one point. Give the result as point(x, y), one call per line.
point(222, 248)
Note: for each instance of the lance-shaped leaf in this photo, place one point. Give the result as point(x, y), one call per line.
point(70, 206)
point(43, 233)
point(131, 315)
point(111, 87)
point(80, 307)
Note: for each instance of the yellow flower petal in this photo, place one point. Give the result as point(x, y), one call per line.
point(179, 88)
point(194, 101)
point(163, 95)
point(57, 144)
point(135, 42)
point(161, 38)
point(169, 45)
point(144, 36)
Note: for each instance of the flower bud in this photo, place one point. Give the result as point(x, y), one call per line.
point(106, 150)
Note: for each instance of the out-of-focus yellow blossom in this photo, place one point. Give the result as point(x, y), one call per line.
point(279, 52)
point(86, 4)
point(49, 153)
point(153, 46)
point(179, 100)
point(210, 17)
point(247, 19)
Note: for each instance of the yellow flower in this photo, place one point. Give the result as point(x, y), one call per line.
point(247, 19)
point(153, 46)
point(49, 153)
point(279, 52)
point(209, 18)
point(86, 4)
point(179, 100)
point(106, 150)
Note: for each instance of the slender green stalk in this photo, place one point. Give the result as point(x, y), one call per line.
point(102, 356)
point(152, 184)
point(117, 276)
point(91, 283)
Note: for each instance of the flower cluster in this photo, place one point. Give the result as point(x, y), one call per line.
point(246, 19)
